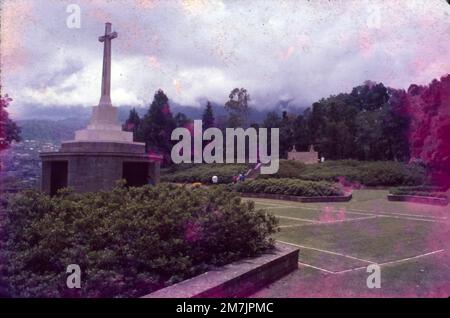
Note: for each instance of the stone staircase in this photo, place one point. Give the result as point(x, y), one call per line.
point(254, 172)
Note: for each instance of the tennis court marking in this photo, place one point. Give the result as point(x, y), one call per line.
point(356, 258)
point(403, 216)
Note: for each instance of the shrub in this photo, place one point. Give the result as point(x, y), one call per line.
point(204, 172)
point(289, 187)
point(422, 190)
point(287, 169)
point(376, 173)
point(128, 241)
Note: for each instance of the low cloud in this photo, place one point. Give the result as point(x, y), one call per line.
point(278, 50)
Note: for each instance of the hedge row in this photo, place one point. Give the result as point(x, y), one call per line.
point(423, 190)
point(289, 187)
point(128, 242)
point(376, 173)
point(204, 172)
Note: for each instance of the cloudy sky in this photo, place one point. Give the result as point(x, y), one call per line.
point(278, 50)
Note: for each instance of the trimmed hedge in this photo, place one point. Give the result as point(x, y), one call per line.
point(422, 190)
point(204, 172)
point(128, 242)
point(289, 187)
point(376, 173)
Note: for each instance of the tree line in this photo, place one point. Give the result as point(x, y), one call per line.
point(369, 123)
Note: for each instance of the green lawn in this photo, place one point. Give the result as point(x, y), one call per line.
point(337, 241)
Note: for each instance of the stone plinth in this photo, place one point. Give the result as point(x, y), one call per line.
point(104, 127)
point(105, 147)
point(90, 167)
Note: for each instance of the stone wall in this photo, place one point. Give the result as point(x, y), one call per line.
point(238, 279)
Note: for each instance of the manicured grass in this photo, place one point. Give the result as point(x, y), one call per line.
point(396, 235)
point(426, 277)
point(319, 214)
point(373, 201)
point(330, 262)
point(376, 240)
point(290, 222)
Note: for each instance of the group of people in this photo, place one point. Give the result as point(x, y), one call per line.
point(239, 177)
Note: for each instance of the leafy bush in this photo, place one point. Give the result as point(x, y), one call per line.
point(128, 241)
point(204, 172)
point(287, 169)
point(369, 173)
point(289, 187)
point(422, 190)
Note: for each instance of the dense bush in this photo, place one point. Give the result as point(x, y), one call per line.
point(289, 187)
point(422, 190)
point(127, 242)
point(369, 173)
point(204, 172)
point(287, 169)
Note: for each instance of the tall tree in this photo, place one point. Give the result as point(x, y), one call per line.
point(237, 107)
point(133, 122)
point(208, 116)
point(157, 125)
point(301, 138)
point(286, 134)
point(181, 120)
point(272, 120)
point(429, 108)
point(9, 131)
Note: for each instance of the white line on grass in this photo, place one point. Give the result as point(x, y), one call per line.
point(288, 226)
point(320, 222)
point(405, 216)
point(318, 268)
point(392, 262)
point(328, 252)
point(356, 211)
point(402, 216)
point(348, 220)
point(296, 219)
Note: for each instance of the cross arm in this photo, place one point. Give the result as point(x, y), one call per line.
point(109, 36)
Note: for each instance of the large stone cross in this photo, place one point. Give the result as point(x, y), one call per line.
point(104, 125)
point(105, 99)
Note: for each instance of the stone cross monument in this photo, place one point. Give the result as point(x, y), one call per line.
point(104, 125)
point(101, 153)
point(105, 98)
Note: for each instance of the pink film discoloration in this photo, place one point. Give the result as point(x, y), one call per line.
point(327, 214)
point(366, 44)
point(16, 18)
point(193, 231)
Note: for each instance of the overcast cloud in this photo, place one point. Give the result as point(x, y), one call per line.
point(278, 50)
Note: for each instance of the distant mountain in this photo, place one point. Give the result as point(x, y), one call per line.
point(56, 113)
point(53, 131)
point(57, 123)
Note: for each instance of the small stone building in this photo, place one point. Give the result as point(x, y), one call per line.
point(307, 157)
